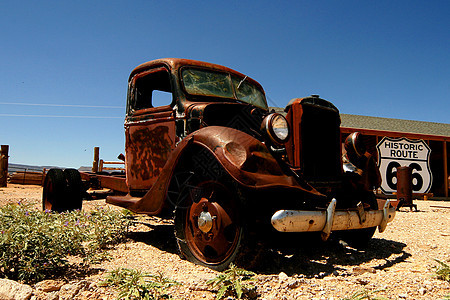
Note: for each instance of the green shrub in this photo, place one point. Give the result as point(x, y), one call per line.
point(35, 244)
point(107, 227)
point(134, 284)
point(443, 271)
point(365, 295)
point(234, 281)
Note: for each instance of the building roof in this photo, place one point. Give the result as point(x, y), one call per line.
point(397, 125)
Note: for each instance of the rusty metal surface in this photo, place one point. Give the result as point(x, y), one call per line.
point(212, 224)
point(314, 144)
point(245, 158)
point(156, 138)
point(405, 187)
point(404, 184)
point(114, 183)
point(123, 201)
point(174, 66)
point(364, 163)
point(151, 131)
point(176, 63)
point(149, 139)
point(293, 145)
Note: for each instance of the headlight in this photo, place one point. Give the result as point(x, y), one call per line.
point(354, 145)
point(276, 127)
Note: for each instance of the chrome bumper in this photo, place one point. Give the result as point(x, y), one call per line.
point(331, 220)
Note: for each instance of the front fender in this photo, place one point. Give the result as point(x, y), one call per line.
point(242, 156)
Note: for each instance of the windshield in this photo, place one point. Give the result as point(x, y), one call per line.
point(217, 84)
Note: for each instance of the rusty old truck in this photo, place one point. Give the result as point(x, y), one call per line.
point(222, 164)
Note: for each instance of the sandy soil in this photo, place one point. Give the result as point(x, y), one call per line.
point(399, 262)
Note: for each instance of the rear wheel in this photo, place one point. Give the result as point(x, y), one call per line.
point(54, 190)
point(62, 190)
point(74, 192)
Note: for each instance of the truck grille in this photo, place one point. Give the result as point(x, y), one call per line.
point(315, 145)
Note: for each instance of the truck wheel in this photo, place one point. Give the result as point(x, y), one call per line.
point(54, 190)
point(208, 228)
point(74, 190)
point(359, 238)
point(62, 190)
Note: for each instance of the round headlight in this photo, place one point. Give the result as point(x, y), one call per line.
point(276, 127)
point(354, 145)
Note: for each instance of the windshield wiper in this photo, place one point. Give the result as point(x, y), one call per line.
point(240, 82)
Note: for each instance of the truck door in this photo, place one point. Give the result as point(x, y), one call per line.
point(149, 127)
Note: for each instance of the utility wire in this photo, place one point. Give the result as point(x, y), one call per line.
point(271, 102)
point(57, 116)
point(62, 105)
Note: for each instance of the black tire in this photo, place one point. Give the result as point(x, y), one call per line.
point(359, 238)
point(54, 191)
point(74, 190)
point(208, 227)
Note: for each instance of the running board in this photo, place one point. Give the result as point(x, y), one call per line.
point(123, 201)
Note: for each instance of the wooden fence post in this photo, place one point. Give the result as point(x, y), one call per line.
point(4, 165)
point(96, 158)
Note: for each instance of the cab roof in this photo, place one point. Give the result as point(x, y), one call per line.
point(176, 63)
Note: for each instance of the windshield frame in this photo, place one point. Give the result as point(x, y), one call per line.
point(232, 79)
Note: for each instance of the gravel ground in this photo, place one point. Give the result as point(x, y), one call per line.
point(398, 264)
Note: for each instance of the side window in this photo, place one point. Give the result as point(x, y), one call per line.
point(150, 89)
point(160, 98)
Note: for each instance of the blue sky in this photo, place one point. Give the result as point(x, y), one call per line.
point(376, 58)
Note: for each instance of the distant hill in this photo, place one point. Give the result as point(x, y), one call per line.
point(20, 167)
point(85, 169)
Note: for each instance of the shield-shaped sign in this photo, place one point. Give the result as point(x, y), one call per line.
point(396, 152)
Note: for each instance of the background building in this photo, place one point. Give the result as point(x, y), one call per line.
point(435, 135)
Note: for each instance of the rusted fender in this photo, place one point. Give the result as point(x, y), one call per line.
point(245, 158)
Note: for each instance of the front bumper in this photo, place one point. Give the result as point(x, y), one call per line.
point(328, 220)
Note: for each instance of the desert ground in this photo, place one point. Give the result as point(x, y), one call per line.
point(398, 264)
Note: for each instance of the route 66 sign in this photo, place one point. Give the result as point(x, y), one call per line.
point(396, 152)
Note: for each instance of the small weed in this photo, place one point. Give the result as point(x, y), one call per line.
point(234, 281)
point(35, 245)
point(443, 271)
point(365, 294)
point(134, 284)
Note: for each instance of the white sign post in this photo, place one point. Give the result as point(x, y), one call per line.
point(396, 152)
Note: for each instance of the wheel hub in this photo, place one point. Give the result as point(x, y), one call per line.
point(205, 221)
